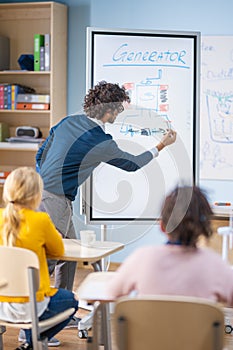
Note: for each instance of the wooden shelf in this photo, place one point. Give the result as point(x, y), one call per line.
point(28, 111)
point(14, 146)
point(23, 72)
point(19, 22)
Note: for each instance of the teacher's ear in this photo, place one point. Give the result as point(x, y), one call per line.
point(162, 226)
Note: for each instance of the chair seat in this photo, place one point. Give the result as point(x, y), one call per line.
point(43, 325)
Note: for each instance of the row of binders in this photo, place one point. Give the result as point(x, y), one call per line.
point(20, 97)
point(41, 52)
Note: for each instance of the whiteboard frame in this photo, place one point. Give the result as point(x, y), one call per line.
point(86, 189)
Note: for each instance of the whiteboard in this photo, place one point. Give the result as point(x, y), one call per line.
point(216, 121)
point(160, 70)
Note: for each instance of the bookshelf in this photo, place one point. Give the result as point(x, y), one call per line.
point(19, 22)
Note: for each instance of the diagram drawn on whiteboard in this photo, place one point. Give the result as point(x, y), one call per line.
point(150, 108)
point(216, 109)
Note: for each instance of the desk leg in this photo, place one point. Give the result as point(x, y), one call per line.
point(97, 266)
point(2, 330)
point(101, 327)
point(105, 331)
point(105, 326)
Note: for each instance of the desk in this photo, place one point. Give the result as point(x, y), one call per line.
point(93, 288)
point(74, 251)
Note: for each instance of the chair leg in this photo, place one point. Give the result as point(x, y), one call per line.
point(2, 330)
point(41, 345)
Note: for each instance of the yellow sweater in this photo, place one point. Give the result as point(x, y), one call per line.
point(37, 233)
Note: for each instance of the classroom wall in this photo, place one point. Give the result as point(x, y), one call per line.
point(210, 17)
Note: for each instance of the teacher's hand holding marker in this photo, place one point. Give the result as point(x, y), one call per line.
point(167, 139)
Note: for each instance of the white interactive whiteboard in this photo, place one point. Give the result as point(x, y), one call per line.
point(161, 72)
point(216, 136)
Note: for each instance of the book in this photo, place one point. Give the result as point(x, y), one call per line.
point(47, 51)
point(38, 42)
point(14, 89)
point(7, 96)
point(28, 106)
point(1, 96)
point(33, 98)
point(42, 58)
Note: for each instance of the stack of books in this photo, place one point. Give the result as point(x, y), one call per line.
point(41, 52)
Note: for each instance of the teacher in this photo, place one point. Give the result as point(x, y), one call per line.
point(73, 149)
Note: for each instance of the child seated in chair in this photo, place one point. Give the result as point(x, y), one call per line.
point(22, 226)
point(181, 266)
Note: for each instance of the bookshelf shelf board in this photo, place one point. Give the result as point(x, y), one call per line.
point(23, 72)
point(30, 111)
point(14, 146)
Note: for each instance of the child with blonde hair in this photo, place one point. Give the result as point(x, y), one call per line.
point(22, 226)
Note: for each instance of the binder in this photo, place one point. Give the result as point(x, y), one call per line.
point(27, 106)
point(42, 58)
point(47, 51)
point(38, 42)
point(33, 98)
point(7, 96)
point(14, 89)
point(1, 96)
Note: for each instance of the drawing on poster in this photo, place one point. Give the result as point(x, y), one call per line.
point(216, 160)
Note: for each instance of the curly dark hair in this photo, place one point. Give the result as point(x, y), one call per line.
point(186, 215)
point(105, 97)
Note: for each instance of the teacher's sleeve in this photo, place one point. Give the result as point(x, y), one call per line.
point(113, 155)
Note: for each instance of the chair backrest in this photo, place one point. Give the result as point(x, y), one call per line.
point(168, 323)
point(14, 264)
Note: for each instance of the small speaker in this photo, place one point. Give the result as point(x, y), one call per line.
point(29, 131)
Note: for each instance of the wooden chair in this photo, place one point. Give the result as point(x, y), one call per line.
point(168, 323)
point(160, 323)
point(19, 273)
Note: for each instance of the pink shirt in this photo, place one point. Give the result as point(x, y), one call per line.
point(174, 270)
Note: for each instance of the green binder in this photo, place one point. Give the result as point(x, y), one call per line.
point(38, 42)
